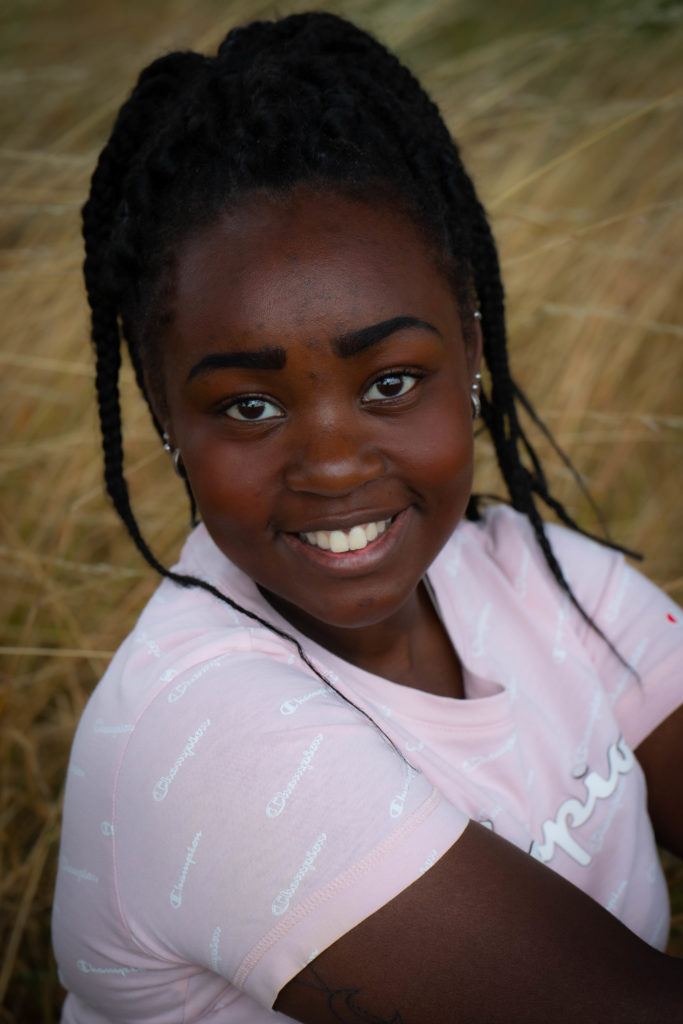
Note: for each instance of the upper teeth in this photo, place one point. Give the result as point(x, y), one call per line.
point(354, 539)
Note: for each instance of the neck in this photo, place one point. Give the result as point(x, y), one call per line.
point(411, 648)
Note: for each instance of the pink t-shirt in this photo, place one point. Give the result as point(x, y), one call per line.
point(228, 816)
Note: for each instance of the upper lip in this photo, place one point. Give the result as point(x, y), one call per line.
point(347, 520)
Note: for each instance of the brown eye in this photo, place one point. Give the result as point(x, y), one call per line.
point(253, 408)
point(391, 385)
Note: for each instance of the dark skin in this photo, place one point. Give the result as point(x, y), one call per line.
point(516, 942)
point(488, 904)
point(316, 438)
point(444, 671)
point(488, 935)
point(661, 758)
point(316, 377)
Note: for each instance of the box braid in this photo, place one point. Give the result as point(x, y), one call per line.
point(309, 99)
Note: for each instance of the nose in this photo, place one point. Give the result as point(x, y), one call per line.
point(333, 460)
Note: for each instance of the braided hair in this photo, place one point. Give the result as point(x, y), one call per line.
point(308, 99)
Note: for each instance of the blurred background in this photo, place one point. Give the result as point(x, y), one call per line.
point(569, 116)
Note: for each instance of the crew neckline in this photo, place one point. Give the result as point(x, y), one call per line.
point(486, 701)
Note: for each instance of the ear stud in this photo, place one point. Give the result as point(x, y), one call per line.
point(474, 396)
point(175, 455)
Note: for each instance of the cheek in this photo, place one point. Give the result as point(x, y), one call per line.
point(446, 450)
point(230, 490)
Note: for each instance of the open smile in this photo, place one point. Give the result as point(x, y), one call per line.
point(339, 541)
point(360, 547)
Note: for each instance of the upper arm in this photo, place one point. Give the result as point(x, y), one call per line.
point(487, 935)
point(661, 758)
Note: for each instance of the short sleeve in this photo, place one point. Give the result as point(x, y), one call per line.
point(259, 817)
point(641, 622)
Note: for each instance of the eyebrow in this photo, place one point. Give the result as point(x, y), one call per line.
point(258, 359)
point(357, 341)
point(275, 358)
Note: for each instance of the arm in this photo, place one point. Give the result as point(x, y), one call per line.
point(488, 935)
point(661, 758)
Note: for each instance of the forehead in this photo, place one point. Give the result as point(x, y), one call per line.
point(305, 257)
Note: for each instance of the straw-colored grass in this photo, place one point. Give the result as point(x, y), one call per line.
point(569, 116)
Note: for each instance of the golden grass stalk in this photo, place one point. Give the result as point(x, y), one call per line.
point(569, 117)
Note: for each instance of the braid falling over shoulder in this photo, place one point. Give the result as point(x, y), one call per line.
point(307, 99)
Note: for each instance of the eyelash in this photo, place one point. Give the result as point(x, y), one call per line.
point(393, 375)
point(258, 400)
point(253, 400)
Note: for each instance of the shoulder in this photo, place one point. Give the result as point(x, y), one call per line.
point(501, 550)
point(503, 545)
point(236, 788)
point(498, 561)
point(186, 632)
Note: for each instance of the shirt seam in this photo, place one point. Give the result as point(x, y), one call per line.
point(351, 875)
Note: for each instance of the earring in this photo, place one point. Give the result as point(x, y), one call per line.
point(175, 455)
point(474, 396)
point(178, 463)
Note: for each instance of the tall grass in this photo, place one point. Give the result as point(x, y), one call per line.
point(569, 116)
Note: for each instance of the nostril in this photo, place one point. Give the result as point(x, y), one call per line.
point(333, 466)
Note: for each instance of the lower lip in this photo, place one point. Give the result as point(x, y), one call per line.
point(364, 559)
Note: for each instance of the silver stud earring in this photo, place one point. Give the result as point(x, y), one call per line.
point(474, 396)
point(175, 455)
point(477, 314)
point(178, 462)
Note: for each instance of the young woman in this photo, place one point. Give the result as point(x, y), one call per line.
point(371, 753)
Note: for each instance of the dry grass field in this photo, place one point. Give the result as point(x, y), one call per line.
point(569, 116)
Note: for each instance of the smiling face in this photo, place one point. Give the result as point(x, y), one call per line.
point(317, 384)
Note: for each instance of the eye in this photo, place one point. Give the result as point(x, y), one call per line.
point(391, 385)
point(252, 409)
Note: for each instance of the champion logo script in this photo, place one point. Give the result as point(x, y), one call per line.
point(557, 831)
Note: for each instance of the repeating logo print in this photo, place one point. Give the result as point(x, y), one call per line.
point(85, 967)
point(214, 946)
point(581, 751)
point(470, 764)
point(430, 861)
point(398, 802)
point(453, 564)
point(176, 895)
point(283, 899)
point(102, 729)
point(180, 689)
point(521, 578)
point(288, 707)
point(145, 640)
point(161, 788)
point(479, 642)
point(276, 804)
point(559, 650)
point(86, 876)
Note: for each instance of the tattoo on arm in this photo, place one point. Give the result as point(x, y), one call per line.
point(343, 1003)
